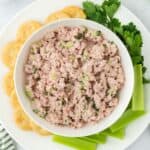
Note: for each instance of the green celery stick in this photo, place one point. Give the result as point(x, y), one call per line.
point(100, 137)
point(97, 138)
point(90, 140)
point(138, 94)
point(118, 134)
point(125, 119)
point(76, 143)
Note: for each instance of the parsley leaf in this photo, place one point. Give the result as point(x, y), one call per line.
point(115, 26)
point(89, 8)
point(110, 7)
point(145, 80)
point(101, 13)
point(131, 37)
point(95, 12)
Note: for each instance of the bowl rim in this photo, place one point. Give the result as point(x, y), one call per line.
point(66, 131)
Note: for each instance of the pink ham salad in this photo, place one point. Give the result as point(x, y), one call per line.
point(73, 76)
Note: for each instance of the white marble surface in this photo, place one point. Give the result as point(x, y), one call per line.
point(141, 8)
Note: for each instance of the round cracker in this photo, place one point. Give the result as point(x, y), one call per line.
point(27, 28)
point(14, 100)
point(9, 53)
point(8, 83)
point(22, 120)
point(39, 130)
point(56, 16)
point(74, 12)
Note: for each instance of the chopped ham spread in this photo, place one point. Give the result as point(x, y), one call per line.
point(73, 76)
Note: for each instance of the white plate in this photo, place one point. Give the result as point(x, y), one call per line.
point(31, 141)
point(124, 95)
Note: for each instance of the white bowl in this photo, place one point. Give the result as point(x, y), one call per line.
point(124, 96)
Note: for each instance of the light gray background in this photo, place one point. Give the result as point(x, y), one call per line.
point(141, 8)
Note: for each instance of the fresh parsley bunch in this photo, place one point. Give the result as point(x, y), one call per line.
point(129, 34)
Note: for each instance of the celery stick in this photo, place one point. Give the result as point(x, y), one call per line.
point(118, 134)
point(97, 138)
point(138, 94)
point(76, 143)
point(101, 138)
point(126, 118)
point(90, 140)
